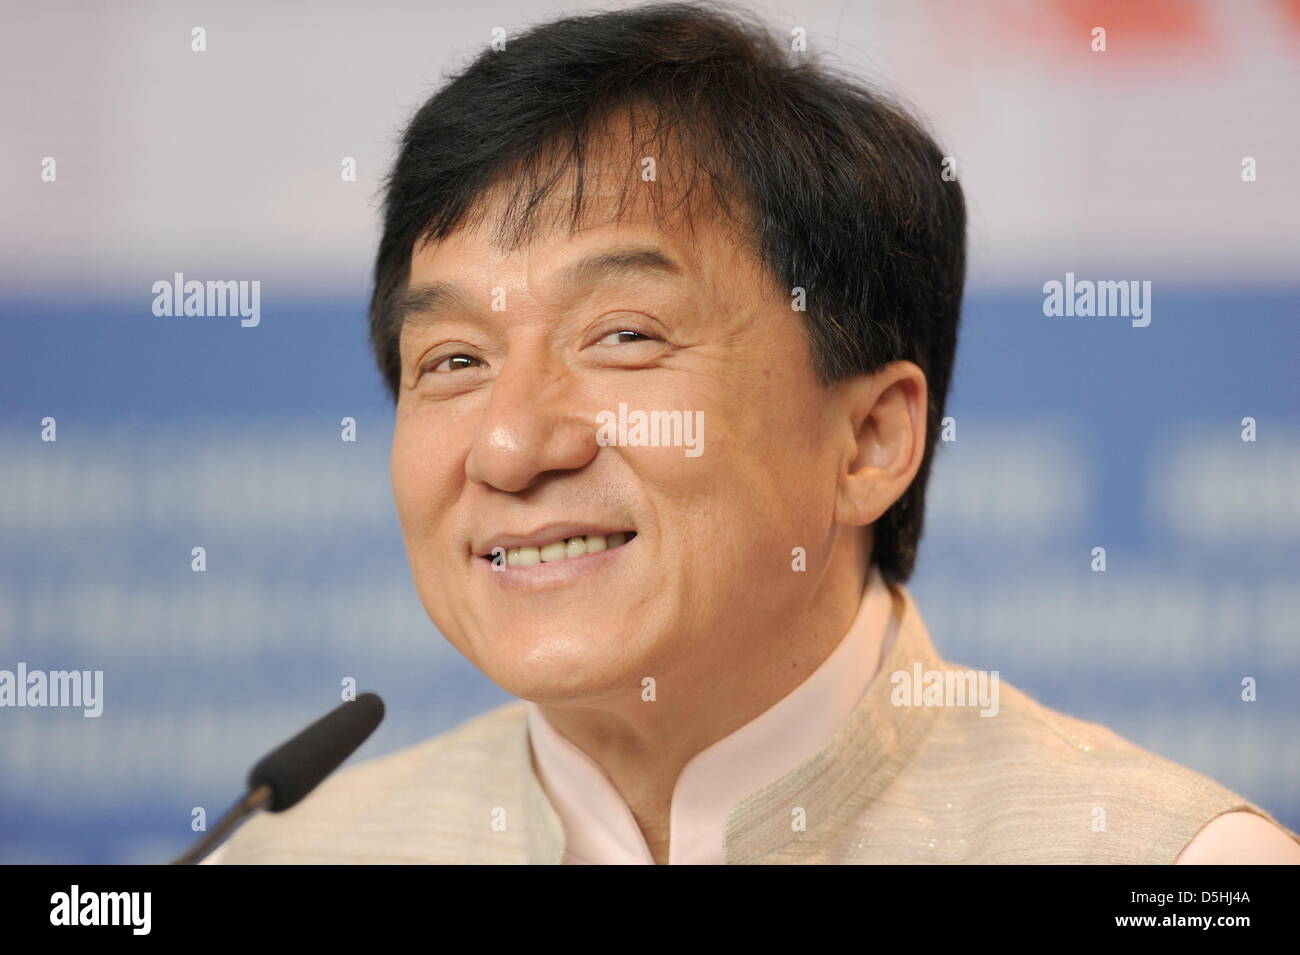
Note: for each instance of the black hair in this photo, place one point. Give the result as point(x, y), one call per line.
point(837, 189)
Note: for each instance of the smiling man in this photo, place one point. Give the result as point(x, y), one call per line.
point(658, 212)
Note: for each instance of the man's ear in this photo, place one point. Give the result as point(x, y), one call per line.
point(886, 414)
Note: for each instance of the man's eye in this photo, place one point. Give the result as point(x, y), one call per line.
point(640, 336)
point(452, 363)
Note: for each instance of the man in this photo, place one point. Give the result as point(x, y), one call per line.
point(669, 321)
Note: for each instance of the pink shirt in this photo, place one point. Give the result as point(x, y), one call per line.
point(601, 830)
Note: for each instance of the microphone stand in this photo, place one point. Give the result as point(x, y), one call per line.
point(252, 802)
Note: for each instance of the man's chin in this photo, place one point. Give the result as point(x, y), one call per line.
point(589, 667)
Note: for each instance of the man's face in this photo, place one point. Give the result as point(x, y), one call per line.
point(496, 446)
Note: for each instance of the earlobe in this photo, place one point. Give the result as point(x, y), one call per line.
point(888, 421)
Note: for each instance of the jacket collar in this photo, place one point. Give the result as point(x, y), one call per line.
point(854, 767)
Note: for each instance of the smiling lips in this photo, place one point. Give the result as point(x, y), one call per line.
point(558, 549)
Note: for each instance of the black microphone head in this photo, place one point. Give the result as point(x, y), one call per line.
point(301, 764)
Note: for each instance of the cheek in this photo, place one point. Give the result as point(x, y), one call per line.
point(401, 466)
point(733, 503)
point(767, 483)
point(420, 470)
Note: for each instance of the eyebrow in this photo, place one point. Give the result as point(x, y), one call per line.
point(425, 303)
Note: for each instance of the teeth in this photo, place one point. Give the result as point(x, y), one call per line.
point(563, 549)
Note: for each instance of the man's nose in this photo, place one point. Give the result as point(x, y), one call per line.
point(533, 424)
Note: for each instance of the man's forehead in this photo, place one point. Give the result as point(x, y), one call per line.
point(564, 275)
point(632, 245)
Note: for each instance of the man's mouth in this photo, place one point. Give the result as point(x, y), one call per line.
point(559, 549)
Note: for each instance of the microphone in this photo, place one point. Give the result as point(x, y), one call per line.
point(285, 776)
